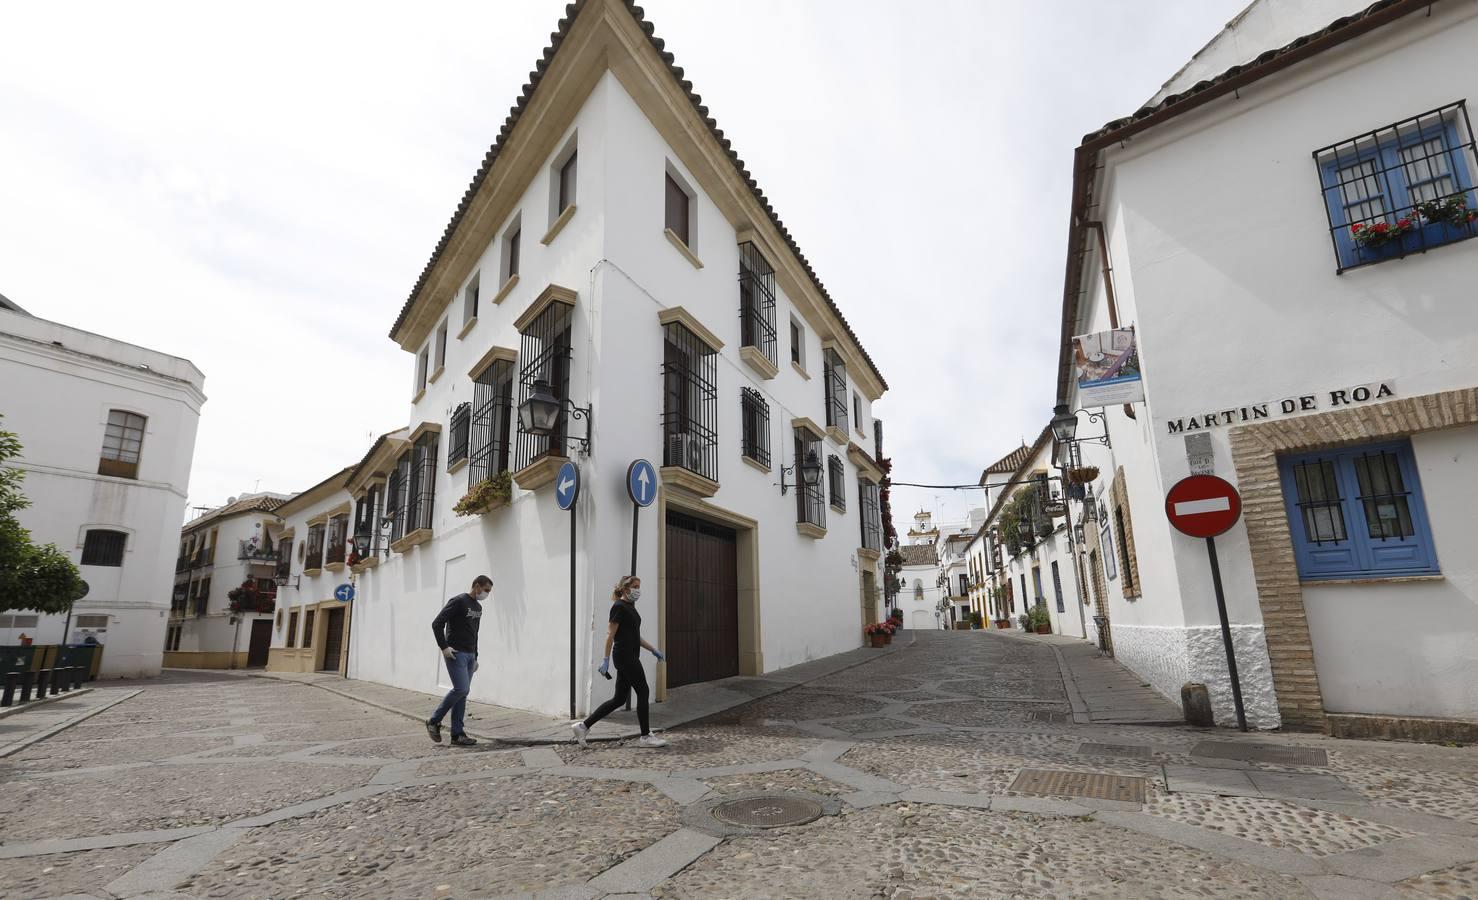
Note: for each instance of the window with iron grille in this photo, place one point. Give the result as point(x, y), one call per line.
point(461, 425)
point(103, 548)
point(397, 506)
point(284, 558)
point(490, 439)
point(292, 629)
point(690, 402)
point(1358, 512)
point(315, 548)
point(810, 500)
point(837, 482)
point(544, 350)
point(366, 522)
point(755, 413)
point(123, 439)
point(202, 595)
point(834, 376)
point(422, 486)
point(1057, 587)
point(338, 528)
point(964, 584)
point(307, 628)
point(756, 301)
point(1401, 189)
point(872, 517)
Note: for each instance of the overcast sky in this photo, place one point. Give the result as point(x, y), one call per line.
point(257, 187)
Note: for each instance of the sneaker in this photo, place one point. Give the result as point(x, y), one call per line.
point(434, 729)
point(462, 740)
point(651, 741)
point(581, 731)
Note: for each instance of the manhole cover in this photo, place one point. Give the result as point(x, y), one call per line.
point(1098, 785)
point(1266, 753)
point(1136, 750)
point(1046, 715)
point(767, 812)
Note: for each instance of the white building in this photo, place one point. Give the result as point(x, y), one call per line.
point(108, 431)
point(312, 631)
point(1330, 376)
point(224, 550)
point(614, 253)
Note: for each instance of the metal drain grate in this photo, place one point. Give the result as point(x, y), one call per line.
point(1265, 753)
point(1047, 715)
point(1097, 785)
point(767, 812)
point(1136, 750)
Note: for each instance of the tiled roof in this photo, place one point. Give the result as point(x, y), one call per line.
point(260, 503)
point(1008, 463)
point(1262, 59)
point(918, 555)
point(540, 67)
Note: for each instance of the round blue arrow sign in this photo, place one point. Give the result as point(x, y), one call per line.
point(344, 593)
point(641, 482)
point(567, 485)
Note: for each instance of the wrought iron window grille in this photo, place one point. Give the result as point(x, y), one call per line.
point(872, 518)
point(837, 488)
point(835, 379)
point(1401, 189)
point(756, 301)
point(491, 431)
point(755, 413)
point(689, 403)
point(460, 426)
point(422, 488)
point(398, 497)
point(810, 499)
point(314, 558)
point(545, 349)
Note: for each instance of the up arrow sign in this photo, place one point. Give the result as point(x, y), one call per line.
point(644, 480)
point(641, 481)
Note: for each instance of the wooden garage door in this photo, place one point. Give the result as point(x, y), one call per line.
point(702, 622)
point(333, 640)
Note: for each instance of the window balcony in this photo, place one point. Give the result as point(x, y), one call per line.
point(250, 552)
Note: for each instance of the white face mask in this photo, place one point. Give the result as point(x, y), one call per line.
point(479, 596)
point(634, 594)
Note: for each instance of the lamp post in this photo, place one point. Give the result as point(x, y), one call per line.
point(539, 414)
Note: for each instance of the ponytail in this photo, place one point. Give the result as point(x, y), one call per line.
point(621, 587)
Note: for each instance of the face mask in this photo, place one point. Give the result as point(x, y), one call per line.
point(480, 596)
point(634, 594)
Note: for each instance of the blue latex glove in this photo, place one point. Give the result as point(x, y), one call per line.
point(605, 667)
point(661, 657)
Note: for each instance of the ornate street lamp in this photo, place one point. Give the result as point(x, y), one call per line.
point(539, 413)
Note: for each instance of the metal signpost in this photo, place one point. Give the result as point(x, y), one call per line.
point(566, 489)
point(641, 486)
point(1205, 506)
point(344, 593)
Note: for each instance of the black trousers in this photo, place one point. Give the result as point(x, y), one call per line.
point(630, 676)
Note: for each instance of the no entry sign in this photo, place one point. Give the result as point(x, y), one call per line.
point(1203, 506)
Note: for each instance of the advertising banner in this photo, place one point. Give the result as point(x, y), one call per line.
point(1107, 363)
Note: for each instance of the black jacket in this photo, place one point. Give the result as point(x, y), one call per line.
point(456, 625)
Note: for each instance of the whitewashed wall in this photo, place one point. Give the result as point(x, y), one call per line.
point(71, 380)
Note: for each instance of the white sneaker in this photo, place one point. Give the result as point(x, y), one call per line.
point(580, 732)
point(651, 740)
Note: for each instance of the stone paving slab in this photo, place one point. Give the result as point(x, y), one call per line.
point(30, 724)
point(657, 863)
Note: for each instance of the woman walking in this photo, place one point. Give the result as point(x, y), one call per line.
point(623, 646)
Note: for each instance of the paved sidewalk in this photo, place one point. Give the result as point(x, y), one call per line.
point(29, 725)
point(486, 721)
point(1100, 689)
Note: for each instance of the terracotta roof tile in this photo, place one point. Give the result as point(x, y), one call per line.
point(918, 555)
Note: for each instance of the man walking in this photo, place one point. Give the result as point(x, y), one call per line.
point(455, 628)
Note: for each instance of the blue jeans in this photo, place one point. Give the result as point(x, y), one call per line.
point(459, 667)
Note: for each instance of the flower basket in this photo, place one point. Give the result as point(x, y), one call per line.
point(1082, 475)
point(877, 640)
point(485, 496)
point(1044, 628)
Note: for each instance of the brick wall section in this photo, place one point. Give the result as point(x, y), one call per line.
point(1119, 500)
point(1255, 450)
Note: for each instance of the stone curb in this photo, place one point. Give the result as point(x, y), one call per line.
point(23, 707)
point(37, 738)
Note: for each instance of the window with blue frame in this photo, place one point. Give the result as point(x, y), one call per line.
point(1358, 513)
point(1401, 189)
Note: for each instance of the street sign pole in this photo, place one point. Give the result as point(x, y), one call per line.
point(1226, 633)
point(1205, 506)
point(566, 490)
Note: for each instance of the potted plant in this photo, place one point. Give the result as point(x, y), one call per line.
point(1451, 213)
point(1039, 620)
point(876, 636)
point(1082, 474)
point(1003, 622)
point(976, 619)
point(485, 496)
point(1025, 621)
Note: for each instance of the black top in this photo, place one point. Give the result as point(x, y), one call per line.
point(628, 630)
point(456, 625)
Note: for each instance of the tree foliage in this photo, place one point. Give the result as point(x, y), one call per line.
point(32, 576)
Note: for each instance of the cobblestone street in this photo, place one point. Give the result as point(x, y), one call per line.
point(919, 765)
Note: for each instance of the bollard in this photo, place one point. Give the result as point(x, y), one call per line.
point(78, 673)
point(12, 681)
point(1196, 701)
point(56, 681)
point(41, 679)
point(26, 680)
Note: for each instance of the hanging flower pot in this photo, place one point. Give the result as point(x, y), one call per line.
point(1082, 475)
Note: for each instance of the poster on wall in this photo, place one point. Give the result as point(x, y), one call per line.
point(1107, 363)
